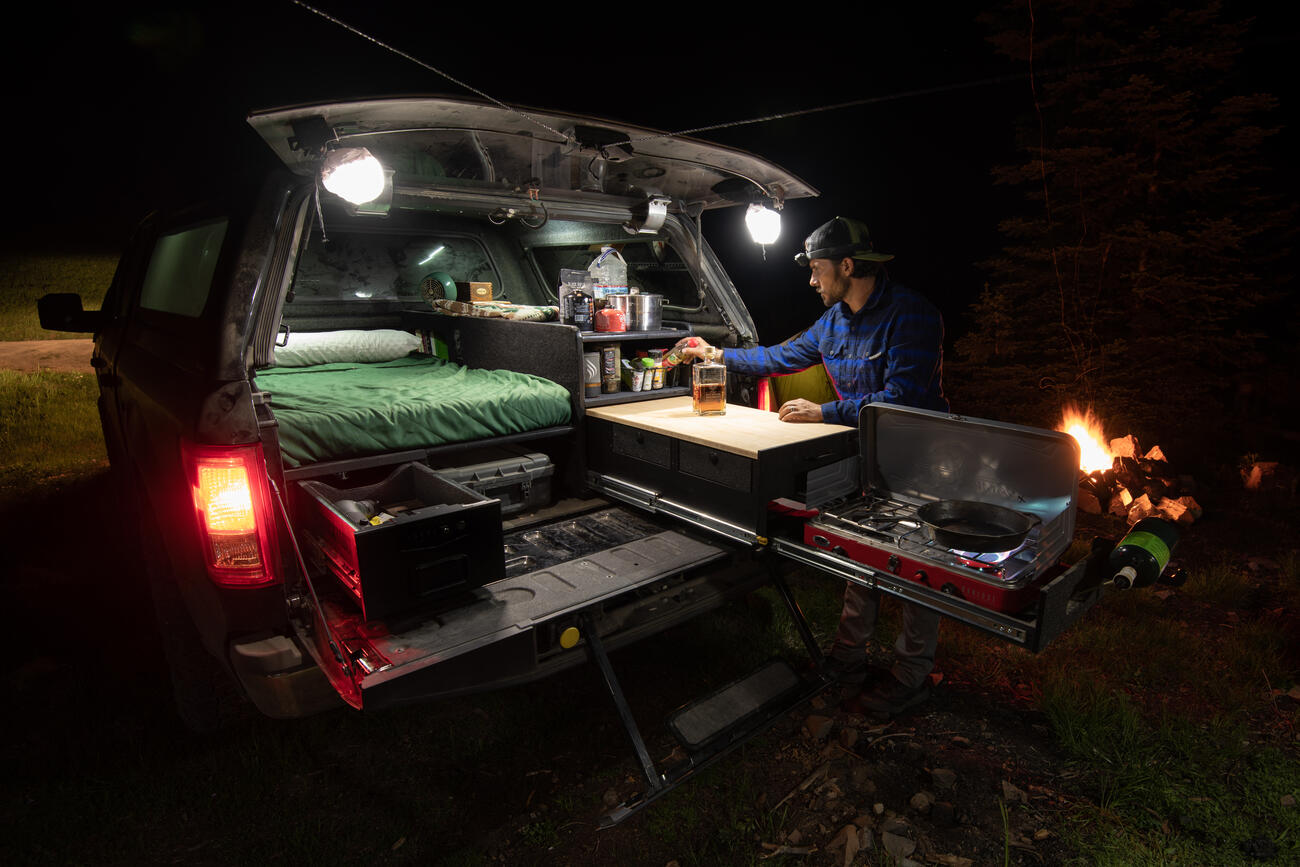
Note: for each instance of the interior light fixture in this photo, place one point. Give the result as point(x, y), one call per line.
point(763, 223)
point(353, 174)
point(429, 258)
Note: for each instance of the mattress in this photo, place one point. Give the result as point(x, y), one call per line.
point(332, 411)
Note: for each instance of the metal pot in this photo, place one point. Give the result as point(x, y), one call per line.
point(643, 312)
point(969, 525)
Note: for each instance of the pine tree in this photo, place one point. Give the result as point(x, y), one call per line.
point(1135, 276)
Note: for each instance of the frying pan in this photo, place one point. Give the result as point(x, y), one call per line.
point(969, 525)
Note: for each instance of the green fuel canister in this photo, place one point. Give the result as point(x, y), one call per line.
point(1142, 555)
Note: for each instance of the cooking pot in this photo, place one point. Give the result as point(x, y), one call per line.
point(643, 312)
point(969, 525)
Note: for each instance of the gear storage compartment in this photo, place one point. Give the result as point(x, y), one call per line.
point(520, 479)
point(720, 471)
point(439, 537)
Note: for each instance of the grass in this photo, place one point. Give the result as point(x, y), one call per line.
point(1168, 713)
point(28, 276)
point(49, 426)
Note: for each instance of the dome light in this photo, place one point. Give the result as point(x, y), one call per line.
point(764, 224)
point(353, 174)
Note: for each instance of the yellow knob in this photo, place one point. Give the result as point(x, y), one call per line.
point(569, 637)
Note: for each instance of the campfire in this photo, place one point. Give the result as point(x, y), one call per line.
point(1115, 477)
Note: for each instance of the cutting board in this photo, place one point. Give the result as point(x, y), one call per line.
point(742, 431)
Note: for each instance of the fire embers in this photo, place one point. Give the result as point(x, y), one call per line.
point(1138, 487)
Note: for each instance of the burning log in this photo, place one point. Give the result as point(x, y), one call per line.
point(1123, 481)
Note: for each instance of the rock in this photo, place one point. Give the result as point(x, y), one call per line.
point(1124, 447)
point(1141, 508)
point(1173, 510)
point(1155, 455)
point(848, 737)
point(922, 802)
point(896, 846)
point(1193, 508)
point(1119, 503)
point(878, 808)
point(818, 727)
point(1089, 503)
point(895, 825)
point(1012, 794)
point(1288, 801)
point(944, 778)
point(961, 741)
point(610, 798)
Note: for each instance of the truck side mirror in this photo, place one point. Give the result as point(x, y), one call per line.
point(61, 311)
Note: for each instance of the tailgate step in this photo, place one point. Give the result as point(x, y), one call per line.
point(701, 721)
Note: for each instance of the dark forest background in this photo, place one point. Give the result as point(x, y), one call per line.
point(1150, 271)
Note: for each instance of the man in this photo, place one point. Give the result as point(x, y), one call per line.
point(879, 342)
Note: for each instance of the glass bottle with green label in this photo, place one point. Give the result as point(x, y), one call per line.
point(1142, 555)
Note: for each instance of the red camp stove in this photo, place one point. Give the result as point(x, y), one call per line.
point(911, 457)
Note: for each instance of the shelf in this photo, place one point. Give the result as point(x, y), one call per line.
point(633, 396)
point(673, 334)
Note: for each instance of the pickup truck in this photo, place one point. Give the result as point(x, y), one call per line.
point(369, 466)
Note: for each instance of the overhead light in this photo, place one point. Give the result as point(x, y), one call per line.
point(353, 174)
point(764, 224)
point(427, 259)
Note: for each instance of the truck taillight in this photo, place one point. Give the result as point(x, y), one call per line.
point(232, 501)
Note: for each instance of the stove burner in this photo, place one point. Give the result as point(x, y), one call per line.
point(970, 558)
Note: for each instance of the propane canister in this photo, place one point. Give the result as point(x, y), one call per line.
point(1142, 555)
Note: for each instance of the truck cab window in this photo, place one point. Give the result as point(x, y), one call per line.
point(180, 270)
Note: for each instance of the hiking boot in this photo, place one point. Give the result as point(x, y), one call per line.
point(888, 697)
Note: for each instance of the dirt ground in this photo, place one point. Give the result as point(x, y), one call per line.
point(29, 356)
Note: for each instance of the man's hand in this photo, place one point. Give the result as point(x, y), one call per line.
point(800, 410)
point(692, 348)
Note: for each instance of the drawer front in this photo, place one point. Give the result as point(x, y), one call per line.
point(643, 445)
point(723, 468)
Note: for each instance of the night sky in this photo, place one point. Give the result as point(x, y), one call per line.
point(132, 97)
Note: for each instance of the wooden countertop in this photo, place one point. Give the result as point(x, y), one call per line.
point(742, 431)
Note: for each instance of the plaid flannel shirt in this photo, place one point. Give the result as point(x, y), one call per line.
point(890, 351)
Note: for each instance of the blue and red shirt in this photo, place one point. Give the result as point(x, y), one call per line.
point(890, 351)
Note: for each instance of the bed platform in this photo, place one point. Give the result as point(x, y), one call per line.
point(330, 412)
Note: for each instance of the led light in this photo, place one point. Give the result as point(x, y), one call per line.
point(429, 258)
point(353, 174)
point(764, 224)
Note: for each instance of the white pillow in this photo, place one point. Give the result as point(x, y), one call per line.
point(326, 347)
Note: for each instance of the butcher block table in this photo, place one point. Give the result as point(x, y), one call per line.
point(725, 467)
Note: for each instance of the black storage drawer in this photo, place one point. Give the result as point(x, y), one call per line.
point(643, 445)
point(733, 471)
point(443, 537)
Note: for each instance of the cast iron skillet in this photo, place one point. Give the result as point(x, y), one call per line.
point(969, 525)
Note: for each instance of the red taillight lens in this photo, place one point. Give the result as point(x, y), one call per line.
point(233, 504)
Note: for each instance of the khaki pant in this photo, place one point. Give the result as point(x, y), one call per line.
point(916, 644)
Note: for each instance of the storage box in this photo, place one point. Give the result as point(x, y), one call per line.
point(443, 537)
point(726, 468)
point(521, 480)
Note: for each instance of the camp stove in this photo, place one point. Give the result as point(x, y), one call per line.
point(911, 457)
